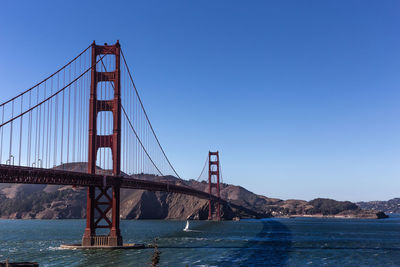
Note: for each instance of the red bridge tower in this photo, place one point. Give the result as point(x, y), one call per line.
point(213, 175)
point(99, 200)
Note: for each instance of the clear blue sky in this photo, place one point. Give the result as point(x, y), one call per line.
point(301, 98)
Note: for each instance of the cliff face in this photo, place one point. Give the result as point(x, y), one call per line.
point(41, 202)
point(60, 202)
point(159, 205)
point(64, 202)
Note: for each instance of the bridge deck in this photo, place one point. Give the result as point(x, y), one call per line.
point(30, 175)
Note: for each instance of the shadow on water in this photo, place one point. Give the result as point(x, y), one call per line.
point(270, 247)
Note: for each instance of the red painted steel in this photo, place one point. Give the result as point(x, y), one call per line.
point(98, 199)
point(213, 172)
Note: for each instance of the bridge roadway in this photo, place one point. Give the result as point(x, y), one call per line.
point(30, 175)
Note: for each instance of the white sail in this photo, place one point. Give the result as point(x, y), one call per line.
point(187, 226)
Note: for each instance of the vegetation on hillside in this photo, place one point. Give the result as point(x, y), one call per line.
point(327, 206)
point(31, 202)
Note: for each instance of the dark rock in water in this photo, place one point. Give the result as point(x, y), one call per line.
point(381, 215)
point(19, 264)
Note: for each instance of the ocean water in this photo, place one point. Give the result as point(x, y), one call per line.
point(267, 242)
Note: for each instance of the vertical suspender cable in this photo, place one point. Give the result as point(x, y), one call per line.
point(50, 124)
point(74, 119)
point(62, 123)
point(48, 133)
point(69, 112)
point(1, 145)
point(55, 122)
point(11, 132)
point(43, 128)
point(145, 114)
point(38, 132)
point(29, 132)
point(37, 127)
point(20, 133)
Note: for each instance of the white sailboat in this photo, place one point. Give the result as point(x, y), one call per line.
point(187, 226)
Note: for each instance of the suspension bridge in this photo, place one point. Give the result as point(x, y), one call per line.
point(89, 111)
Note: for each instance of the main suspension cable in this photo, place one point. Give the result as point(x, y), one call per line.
point(51, 96)
point(140, 142)
point(147, 118)
point(133, 129)
point(36, 85)
point(204, 167)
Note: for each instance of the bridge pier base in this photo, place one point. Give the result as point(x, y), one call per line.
point(100, 241)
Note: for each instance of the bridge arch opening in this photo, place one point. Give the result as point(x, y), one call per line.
point(104, 161)
point(105, 120)
point(105, 90)
point(106, 63)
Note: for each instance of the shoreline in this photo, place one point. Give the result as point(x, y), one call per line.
point(318, 216)
point(321, 216)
